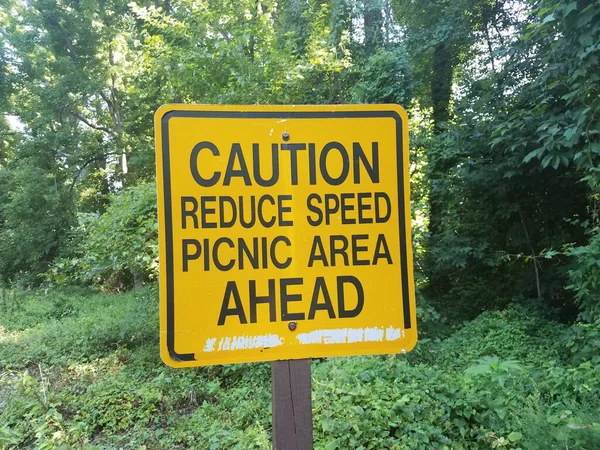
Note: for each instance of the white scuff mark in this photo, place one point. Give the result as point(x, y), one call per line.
point(210, 344)
point(373, 334)
point(243, 342)
point(350, 335)
point(224, 344)
point(341, 336)
point(393, 334)
point(355, 335)
point(335, 336)
point(277, 123)
point(313, 337)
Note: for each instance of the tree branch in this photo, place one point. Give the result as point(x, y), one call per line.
point(92, 125)
point(535, 263)
point(56, 24)
point(87, 163)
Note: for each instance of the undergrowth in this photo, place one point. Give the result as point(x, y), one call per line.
point(81, 370)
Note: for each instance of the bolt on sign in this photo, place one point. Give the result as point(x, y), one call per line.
point(284, 232)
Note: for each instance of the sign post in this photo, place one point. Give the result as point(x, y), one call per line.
point(292, 408)
point(284, 235)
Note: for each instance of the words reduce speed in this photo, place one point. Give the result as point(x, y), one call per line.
point(209, 211)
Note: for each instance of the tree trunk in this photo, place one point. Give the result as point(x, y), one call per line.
point(441, 84)
point(294, 21)
point(373, 26)
point(441, 92)
point(138, 279)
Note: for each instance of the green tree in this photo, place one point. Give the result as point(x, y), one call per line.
point(35, 213)
point(509, 196)
point(65, 71)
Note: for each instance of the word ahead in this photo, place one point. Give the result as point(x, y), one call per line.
point(284, 232)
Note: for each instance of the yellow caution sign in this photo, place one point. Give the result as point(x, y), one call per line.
point(284, 232)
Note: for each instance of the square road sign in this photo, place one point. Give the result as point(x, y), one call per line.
point(284, 232)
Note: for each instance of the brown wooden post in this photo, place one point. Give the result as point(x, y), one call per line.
point(292, 407)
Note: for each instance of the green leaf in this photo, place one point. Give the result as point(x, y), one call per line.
point(549, 18)
point(570, 133)
point(586, 40)
point(515, 436)
point(570, 8)
point(586, 17)
point(501, 413)
point(327, 425)
point(530, 156)
point(554, 420)
point(546, 161)
point(332, 445)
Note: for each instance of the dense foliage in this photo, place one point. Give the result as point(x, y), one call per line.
point(82, 371)
point(115, 248)
point(504, 104)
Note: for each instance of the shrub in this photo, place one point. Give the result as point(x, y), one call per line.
point(115, 249)
point(584, 339)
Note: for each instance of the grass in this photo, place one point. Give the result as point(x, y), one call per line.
point(82, 370)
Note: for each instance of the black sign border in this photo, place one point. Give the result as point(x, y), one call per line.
point(220, 114)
